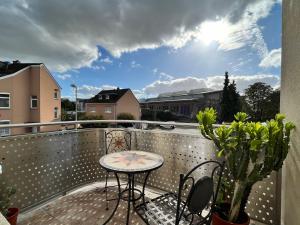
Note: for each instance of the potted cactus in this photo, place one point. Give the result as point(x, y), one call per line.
point(11, 214)
point(251, 151)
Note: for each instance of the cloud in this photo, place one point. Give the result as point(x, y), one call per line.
point(64, 76)
point(155, 70)
point(88, 91)
point(178, 84)
point(96, 67)
point(139, 94)
point(244, 32)
point(65, 37)
point(107, 60)
point(134, 64)
point(214, 82)
point(272, 59)
point(165, 76)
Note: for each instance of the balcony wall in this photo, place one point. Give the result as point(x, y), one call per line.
point(42, 166)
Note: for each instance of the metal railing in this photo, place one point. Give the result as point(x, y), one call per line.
point(44, 165)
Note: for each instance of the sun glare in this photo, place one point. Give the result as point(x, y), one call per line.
point(210, 31)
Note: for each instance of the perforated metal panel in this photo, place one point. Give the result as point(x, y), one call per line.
point(42, 166)
point(182, 152)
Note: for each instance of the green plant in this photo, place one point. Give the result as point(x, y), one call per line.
point(83, 116)
point(5, 196)
point(125, 116)
point(251, 151)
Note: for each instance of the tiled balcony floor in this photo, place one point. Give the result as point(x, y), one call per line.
point(84, 206)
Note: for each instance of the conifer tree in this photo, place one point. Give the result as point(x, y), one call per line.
point(230, 103)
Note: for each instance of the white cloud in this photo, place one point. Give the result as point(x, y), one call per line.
point(139, 94)
point(96, 67)
point(134, 64)
point(178, 84)
point(155, 70)
point(272, 59)
point(65, 37)
point(107, 60)
point(165, 76)
point(88, 91)
point(244, 32)
point(64, 76)
point(214, 82)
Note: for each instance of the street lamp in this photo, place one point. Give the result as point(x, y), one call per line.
point(75, 87)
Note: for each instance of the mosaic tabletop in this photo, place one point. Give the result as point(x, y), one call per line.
point(131, 161)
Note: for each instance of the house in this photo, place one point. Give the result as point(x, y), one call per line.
point(110, 103)
point(28, 94)
point(184, 104)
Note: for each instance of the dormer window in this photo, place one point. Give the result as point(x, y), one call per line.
point(107, 97)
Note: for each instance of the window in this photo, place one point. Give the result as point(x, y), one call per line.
point(100, 97)
point(34, 102)
point(4, 100)
point(55, 94)
point(106, 96)
point(4, 131)
point(55, 112)
point(107, 110)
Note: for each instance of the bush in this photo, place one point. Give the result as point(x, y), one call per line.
point(125, 116)
point(147, 114)
point(91, 117)
point(164, 116)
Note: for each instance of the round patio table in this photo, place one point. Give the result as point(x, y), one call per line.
point(130, 163)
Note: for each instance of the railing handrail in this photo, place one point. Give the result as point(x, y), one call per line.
point(177, 124)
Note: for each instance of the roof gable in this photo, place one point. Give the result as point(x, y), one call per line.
point(18, 68)
point(113, 96)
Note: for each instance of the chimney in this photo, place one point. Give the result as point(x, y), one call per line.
point(16, 61)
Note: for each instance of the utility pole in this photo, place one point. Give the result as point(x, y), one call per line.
point(76, 100)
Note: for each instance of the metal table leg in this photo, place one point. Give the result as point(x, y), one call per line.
point(129, 197)
point(144, 186)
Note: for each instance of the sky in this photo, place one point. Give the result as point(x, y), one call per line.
point(151, 47)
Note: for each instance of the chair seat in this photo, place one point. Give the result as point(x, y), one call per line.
point(162, 211)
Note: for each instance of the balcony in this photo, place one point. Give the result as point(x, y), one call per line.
point(59, 180)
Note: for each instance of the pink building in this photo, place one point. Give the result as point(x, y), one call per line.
point(110, 103)
point(28, 94)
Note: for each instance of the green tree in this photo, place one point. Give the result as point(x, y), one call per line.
point(67, 105)
point(263, 102)
point(273, 104)
point(230, 103)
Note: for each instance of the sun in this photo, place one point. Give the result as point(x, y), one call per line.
point(211, 31)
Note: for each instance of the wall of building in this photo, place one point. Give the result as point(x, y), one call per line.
point(33, 81)
point(18, 87)
point(34, 90)
point(129, 104)
point(47, 101)
point(290, 105)
point(96, 109)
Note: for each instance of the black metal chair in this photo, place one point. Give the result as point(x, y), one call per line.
point(115, 141)
point(194, 202)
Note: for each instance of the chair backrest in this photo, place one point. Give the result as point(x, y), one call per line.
point(117, 140)
point(198, 195)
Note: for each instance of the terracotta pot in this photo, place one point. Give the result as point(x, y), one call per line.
point(217, 220)
point(12, 215)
